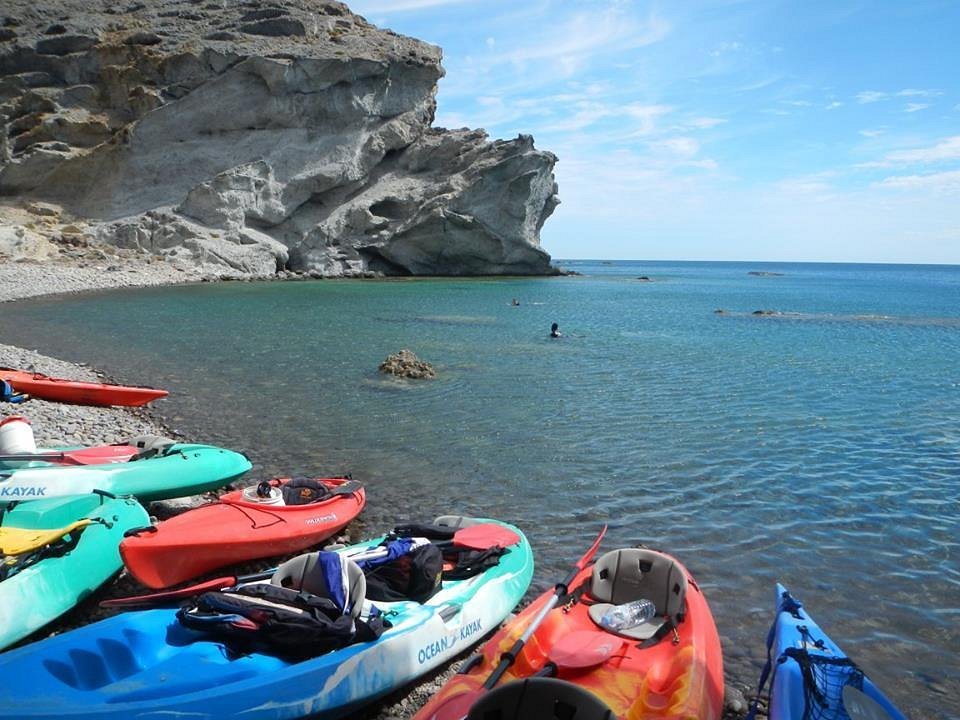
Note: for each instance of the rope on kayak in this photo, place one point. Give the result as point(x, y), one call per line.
point(824, 678)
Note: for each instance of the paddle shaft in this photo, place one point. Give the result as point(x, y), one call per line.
point(164, 596)
point(26, 457)
point(221, 583)
point(508, 658)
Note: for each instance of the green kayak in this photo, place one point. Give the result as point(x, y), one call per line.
point(55, 552)
point(161, 469)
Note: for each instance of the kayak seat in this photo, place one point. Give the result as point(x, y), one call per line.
point(149, 446)
point(540, 699)
point(306, 573)
point(622, 576)
point(455, 522)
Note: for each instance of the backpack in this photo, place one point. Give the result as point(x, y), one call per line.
point(408, 571)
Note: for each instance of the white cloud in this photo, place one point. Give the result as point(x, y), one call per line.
point(368, 7)
point(681, 147)
point(912, 92)
point(583, 113)
point(586, 34)
point(942, 183)
point(491, 41)
point(725, 48)
point(915, 107)
point(871, 133)
point(948, 149)
point(870, 96)
point(834, 105)
point(797, 103)
point(705, 123)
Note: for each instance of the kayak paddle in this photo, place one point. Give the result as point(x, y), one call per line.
point(60, 457)
point(159, 598)
point(472, 537)
point(98, 455)
point(457, 707)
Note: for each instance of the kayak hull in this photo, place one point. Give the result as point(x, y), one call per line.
point(668, 680)
point(182, 469)
point(78, 392)
point(45, 590)
point(144, 665)
point(795, 629)
point(234, 530)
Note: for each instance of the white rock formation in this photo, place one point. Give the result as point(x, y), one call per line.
point(287, 135)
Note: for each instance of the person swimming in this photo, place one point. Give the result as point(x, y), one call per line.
point(555, 331)
point(515, 302)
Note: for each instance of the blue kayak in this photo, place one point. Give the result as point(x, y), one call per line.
point(149, 665)
point(812, 678)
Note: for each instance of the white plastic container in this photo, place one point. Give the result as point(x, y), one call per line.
point(16, 436)
point(274, 498)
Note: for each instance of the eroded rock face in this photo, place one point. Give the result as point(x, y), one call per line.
point(291, 134)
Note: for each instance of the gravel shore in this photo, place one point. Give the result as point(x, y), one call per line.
point(58, 424)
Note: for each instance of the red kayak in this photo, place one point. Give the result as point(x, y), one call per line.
point(277, 517)
point(669, 667)
point(77, 392)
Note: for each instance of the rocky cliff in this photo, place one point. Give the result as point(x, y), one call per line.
point(285, 135)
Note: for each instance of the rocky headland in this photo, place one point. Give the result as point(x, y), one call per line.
point(248, 138)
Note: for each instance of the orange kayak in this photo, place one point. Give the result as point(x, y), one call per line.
point(78, 392)
point(671, 667)
point(240, 526)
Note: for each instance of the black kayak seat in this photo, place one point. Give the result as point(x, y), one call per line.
point(540, 699)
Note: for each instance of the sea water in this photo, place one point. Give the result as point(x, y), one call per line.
point(818, 445)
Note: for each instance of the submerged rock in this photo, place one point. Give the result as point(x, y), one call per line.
point(295, 136)
point(406, 364)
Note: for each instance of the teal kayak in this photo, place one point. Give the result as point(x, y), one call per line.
point(55, 553)
point(149, 664)
point(168, 471)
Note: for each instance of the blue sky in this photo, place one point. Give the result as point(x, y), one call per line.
point(718, 129)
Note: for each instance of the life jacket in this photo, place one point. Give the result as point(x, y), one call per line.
point(303, 491)
point(311, 606)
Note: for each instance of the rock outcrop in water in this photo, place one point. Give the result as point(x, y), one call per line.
point(290, 134)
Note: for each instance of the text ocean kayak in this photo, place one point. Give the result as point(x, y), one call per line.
point(57, 552)
point(240, 526)
point(810, 667)
point(669, 667)
point(167, 471)
point(146, 665)
point(78, 392)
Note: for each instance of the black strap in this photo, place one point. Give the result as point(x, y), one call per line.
point(668, 626)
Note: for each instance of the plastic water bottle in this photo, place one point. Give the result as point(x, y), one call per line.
point(628, 615)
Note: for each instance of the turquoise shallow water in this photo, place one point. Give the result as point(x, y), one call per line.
point(819, 447)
